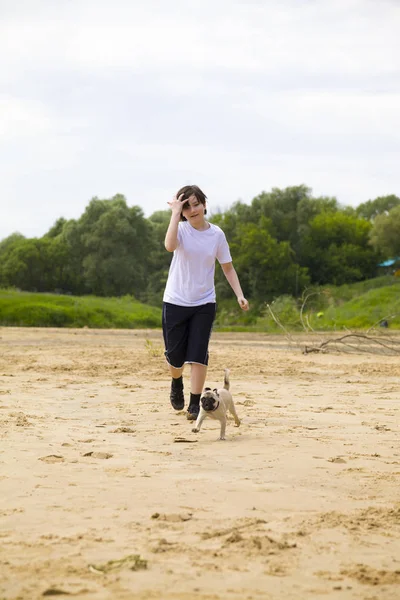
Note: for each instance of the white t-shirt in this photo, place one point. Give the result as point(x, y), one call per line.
point(191, 274)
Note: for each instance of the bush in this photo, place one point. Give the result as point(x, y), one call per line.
point(286, 310)
point(51, 310)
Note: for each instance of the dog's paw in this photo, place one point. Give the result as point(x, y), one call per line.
point(237, 423)
point(222, 439)
point(195, 430)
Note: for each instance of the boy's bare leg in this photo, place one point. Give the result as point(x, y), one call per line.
point(175, 373)
point(197, 378)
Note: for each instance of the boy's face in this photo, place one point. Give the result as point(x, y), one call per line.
point(193, 210)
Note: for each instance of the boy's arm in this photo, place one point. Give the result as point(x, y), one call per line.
point(233, 280)
point(171, 237)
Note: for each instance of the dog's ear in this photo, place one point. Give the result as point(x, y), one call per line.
point(207, 389)
point(215, 390)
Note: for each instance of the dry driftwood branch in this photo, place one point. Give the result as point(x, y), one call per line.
point(353, 342)
point(305, 298)
point(350, 342)
point(277, 321)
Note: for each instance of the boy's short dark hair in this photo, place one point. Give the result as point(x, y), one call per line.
point(191, 190)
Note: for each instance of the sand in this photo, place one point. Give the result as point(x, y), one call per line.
point(105, 493)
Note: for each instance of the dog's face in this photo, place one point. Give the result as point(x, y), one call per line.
point(209, 400)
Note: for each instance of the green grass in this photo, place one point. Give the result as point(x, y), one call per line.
point(363, 311)
point(358, 306)
point(24, 309)
point(354, 306)
point(347, 292)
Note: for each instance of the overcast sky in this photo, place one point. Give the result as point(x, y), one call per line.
point(238, 96)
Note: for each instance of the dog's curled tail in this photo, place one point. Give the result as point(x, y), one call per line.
point(226, 379)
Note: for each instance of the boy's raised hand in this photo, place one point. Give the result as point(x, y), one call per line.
point(176, 204)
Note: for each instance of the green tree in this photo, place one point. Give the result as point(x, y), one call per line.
point(10, 241)
point(7, 245)
point(337, 249)
point(288, 210)
point(380, 206)
point(238, 214)
point(385, 233)
point(71, 236)
point(159, 258)
point(113, 242)
point(280, 207)
point(266, 266)
point(307, 209)
point(36, 264)
point(57, 228)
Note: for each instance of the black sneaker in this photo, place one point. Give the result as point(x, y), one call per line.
point(177, 398)
point(192, 412)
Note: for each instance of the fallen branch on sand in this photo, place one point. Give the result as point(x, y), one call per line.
point(357, 342)
point(350, 342)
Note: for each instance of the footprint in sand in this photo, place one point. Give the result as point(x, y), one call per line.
point(104, 455)
point(172, 518)
point(20, 419)
point(123, 430)
point(52, 458)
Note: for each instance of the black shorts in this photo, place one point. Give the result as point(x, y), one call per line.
point(187, 331)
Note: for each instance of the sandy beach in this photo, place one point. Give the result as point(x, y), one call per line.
point(105, 492)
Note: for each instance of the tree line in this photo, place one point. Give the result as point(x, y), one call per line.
point(282, 242)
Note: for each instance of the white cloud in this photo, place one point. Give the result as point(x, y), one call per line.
point(236, 96)
point(19, 117)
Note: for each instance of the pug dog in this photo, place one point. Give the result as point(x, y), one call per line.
point(215, 404)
